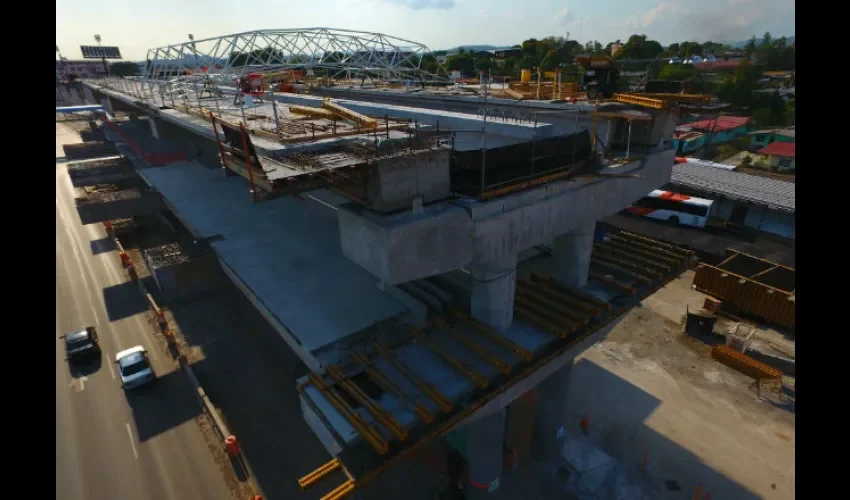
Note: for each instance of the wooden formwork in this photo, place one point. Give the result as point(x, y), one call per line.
point(740, 294)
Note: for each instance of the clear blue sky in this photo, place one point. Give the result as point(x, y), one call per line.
point(138, 25)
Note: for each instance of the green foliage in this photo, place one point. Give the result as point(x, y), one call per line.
point(677, 72)
point(747, 162)
point(462, 61)
point(124, 68)
point(638, 47)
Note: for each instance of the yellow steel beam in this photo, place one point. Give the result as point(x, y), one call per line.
point(641, 101)
point(312, 112)
point(678, 97)
point(349, 114)
point(310, 480)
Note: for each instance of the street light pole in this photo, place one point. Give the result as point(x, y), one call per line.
point(103, 59)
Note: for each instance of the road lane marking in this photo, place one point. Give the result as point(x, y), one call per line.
point(79, 384)
point(132, 441)
point(109, 359)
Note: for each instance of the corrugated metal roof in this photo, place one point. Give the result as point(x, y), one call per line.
point(772, 193)
point(786, 149)
point(719, 124)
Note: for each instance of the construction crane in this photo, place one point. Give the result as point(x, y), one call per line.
point(600, 76)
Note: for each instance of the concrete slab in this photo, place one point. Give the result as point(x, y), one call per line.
point(286, 251)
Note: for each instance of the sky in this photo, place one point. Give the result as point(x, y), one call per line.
point(135, 26)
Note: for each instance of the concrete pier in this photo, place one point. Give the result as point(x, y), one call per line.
point(484, 442)
point(572, 255)
point(549, 424)
point(493, 292)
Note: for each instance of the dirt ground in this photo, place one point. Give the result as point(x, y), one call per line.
point(652, 391)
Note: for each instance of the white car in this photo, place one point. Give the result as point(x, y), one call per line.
point(134, 367)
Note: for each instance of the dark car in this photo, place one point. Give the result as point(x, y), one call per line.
point(82, 345)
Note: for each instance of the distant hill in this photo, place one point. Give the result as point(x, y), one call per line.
point(474, 48)
point(741, 45)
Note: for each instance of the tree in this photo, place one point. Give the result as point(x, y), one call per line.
point(429, 64)
point(462, 61)
point(551, 61)
point(690, 49)
point(677, 72)
point(765, 40)
point(750, 47)
point(124, 68)
point(638, 47)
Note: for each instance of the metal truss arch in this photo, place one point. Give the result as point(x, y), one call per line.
point(221, 60)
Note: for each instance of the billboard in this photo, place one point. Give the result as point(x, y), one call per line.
point(99, 52)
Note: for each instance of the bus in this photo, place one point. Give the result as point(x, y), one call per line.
point(673, 207)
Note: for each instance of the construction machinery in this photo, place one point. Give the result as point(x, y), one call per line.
point(600, 78)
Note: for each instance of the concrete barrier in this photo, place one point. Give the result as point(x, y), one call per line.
point(207, 406)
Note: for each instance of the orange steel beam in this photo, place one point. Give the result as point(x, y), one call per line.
point(551, 300)
point(369, 434)
point(470, 344)
point(218, 141)
point(481, 328)
point(248, 161)
point(595, 303)
point(479, 380)
point(366, 402)
point(442, 402)
point(389, 386)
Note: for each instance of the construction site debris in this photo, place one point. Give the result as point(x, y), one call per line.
point(108, 196)
point(165, 255)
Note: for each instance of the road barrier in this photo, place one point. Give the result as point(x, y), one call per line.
point(228, 440)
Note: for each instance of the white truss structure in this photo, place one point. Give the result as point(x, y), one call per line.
point(219, 61)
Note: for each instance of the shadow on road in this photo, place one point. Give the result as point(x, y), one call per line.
point(123, 301)
point(248, 371)
point(86, 368)
point(166, 403)
point(103, 245)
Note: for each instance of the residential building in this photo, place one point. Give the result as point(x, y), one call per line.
point(761, 138)
point(719, 129)
point(780, 155)
point(688, 142)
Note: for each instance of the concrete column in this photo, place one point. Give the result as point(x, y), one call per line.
point(572, 256)
point(154, 130)
point(484, 453)
point(551, 396)
point(75, 97)
point(107, 104)
point(493, 292)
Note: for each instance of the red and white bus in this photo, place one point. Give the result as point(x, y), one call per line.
point(673, 207)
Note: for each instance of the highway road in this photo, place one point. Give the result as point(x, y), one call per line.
point(110, 445)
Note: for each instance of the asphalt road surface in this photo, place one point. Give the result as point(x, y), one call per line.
point(144, 445)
